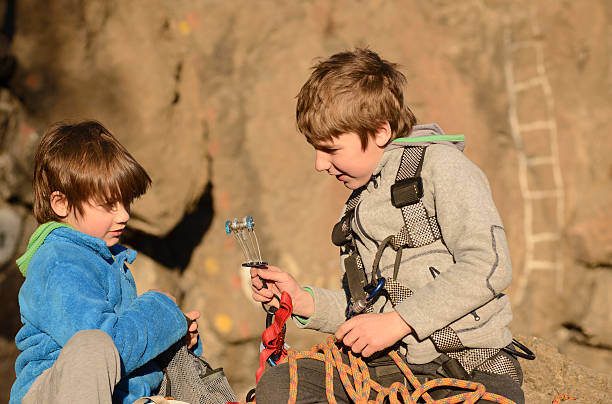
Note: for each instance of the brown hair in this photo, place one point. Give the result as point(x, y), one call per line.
point(353, 92)
point(84, 161)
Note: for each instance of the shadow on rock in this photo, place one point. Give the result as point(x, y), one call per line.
point(175, 249)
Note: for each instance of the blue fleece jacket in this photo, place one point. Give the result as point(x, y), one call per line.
point(75, 282)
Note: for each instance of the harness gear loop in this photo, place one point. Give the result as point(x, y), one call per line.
point(524, 352)
point(273, 337)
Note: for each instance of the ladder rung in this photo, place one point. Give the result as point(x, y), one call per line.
point(526, 43)
point(541, 237)
point(527, 84)
point(538, 161)
point(542, 265)
point(547, 193)
point(537, 125)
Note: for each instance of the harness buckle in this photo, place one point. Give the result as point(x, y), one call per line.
point(452, 368)
point(407, 192)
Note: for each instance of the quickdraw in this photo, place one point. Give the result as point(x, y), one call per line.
point(273, 337)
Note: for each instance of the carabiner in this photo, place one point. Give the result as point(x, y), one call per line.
point(360, 305)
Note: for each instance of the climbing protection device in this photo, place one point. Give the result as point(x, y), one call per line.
point(243, 230)
point(273, 337)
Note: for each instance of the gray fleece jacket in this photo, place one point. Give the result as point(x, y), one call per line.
point(457, 280)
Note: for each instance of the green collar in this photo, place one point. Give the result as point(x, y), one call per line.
point(430, 138)
point(36, 241)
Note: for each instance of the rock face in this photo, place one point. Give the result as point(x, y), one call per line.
point(203, 95)
point(552, 373)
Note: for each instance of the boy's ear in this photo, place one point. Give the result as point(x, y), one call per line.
point(59, 203)
point(383, 135)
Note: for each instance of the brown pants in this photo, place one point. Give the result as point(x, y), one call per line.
point(86, 371)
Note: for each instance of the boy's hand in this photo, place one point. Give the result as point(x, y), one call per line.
point(278, 281)
point(191, 338)
point(372, 332)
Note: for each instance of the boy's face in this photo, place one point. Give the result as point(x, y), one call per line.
point(344, 158)
point(100, 220)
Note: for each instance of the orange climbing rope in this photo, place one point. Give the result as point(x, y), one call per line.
point(562, 397)
point(359, 390)
point(361, 386)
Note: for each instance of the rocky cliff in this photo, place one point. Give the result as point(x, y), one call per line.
point(203, 94)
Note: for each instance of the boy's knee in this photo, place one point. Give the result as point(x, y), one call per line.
point(94, 345)
point(273, 387)
point(89, 339)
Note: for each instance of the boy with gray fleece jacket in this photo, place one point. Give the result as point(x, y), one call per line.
point(434, 244)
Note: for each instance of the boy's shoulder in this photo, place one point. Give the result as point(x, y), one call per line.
point(437, 156)
point(65, 246)
point(441, 163)
point(445, 157)
point(438, 151)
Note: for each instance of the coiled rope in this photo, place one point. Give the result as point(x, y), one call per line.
point(359, 389)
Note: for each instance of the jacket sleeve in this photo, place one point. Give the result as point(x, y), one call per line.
point(330, 305)
point(329, 310)
point(472, 231)
point(142, 382)
point(66, 298)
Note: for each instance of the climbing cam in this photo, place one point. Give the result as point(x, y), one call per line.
point(243, 230)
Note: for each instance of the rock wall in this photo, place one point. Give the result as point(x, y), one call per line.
point(203, 94)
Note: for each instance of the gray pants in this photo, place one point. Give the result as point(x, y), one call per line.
point(273, 387)
point(86, 371)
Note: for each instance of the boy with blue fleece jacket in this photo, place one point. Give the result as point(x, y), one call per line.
point(87, 336)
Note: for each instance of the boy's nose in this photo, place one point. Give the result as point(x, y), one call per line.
point(123, 213)
point(321, 161)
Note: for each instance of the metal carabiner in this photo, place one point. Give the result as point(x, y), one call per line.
point(352, 309)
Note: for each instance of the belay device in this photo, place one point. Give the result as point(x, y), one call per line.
point(273, 338)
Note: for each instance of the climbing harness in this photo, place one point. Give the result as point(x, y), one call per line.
point(419, 229)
